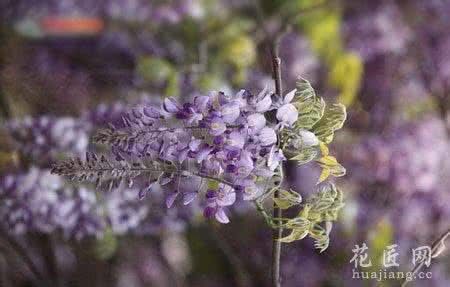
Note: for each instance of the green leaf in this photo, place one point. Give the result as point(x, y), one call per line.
point(326, 204)
point(298, 223)
point(306, 155)
point(322, 240)
point(330, 166)
point(296, 234)
point(332, 120)
point(310, 107)
point(287, 199)
point(323, 175)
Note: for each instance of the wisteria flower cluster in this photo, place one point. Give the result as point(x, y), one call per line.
point(47, 137)
point(234, 144)
point(41, 202)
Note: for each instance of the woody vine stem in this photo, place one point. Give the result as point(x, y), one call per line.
point(277, 213)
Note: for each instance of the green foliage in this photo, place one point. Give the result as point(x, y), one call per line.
point(345, 68)
point(310, 107)
point(106, 247)
point(287, 199)
point(320, 120)
point(320, 209)
point(346, 74)
point(153, 69)
point(304, 142)
point(332, 120)
point(305, 155)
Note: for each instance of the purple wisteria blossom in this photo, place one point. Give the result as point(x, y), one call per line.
point(37, 201)
point(46, 137)
point(218, 138)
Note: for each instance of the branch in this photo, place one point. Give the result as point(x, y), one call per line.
point(437, 247)
point(99, 169)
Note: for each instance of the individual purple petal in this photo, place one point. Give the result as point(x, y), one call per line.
point(244, 165)
point(171, 105)
point(217, 127)
point(165, 179)
point(147, 121)
point(240, 99)
point(231, 168)
point(194, 144)
point(267, 136)
point(171, 199)
point(236, 139)
point(201, 103)
point(189, 197)
point(219, 140)
point(136, 113)
point(209, 212)
point(251, 191)
point(275, 157)
point(289, 96)
point(226, 197)
point(264, 104)
point(308, 138)
point(142, 194)
point(210, 193)
point(230, 112)
point(221, 216)
point(152, 112)
point(232, 154)
point(194, 119)
point(182, 155)
point(256, 122)
point(287, 114)
point(203, 153)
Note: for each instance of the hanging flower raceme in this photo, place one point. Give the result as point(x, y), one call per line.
point(47, 137)
point(234, 146)
point(37, 201)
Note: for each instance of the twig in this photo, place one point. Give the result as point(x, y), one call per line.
point(437, 247)
point(272, 41)
point(277, 212)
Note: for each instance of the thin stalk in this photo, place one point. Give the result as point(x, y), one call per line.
point(277, 212)
point(178, 172)
point(437, 247)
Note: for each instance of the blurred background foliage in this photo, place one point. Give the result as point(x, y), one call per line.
point(69, 67)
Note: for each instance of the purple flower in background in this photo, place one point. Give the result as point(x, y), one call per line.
point(40, 202)
point(46, 137)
